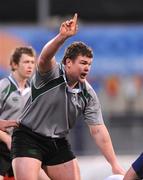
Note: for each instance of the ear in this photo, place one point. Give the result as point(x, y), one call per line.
point(68, 62)
point(14, 66)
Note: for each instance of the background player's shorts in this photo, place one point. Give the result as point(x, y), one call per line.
point(138, 166)
point(50, 151)
point(5, 161)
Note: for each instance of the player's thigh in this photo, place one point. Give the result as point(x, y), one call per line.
point(65, 171)
point(43, 175)
point(130, 175)
point(26, 168)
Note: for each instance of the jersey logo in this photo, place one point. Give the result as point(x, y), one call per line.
point(15, 99)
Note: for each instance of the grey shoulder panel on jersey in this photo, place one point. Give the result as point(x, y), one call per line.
point(7, 87)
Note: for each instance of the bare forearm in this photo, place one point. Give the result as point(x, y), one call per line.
point(50, 49)
point(102, 139)
point(46, 58)
point(105, 146)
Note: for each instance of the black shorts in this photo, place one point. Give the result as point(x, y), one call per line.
point(5, 161)
point(50, 151)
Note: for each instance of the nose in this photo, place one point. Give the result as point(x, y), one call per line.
point(87, 68)
point(31, 65)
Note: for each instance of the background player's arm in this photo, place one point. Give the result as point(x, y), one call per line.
point(102, 139)
point(46, 59)
point(6, 138)
point(4, 124)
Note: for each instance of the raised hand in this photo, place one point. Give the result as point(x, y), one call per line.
point(69, 27)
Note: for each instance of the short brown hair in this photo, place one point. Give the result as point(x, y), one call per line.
point(17, 53)
point(76, 49)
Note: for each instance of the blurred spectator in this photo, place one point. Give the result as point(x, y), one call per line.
point(112, 85)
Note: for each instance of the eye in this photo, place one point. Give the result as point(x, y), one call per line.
point(33, 62)
point(26, 62)
point(84, 63)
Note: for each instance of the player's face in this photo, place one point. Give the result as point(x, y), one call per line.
point(26, 66)
point(78, 69)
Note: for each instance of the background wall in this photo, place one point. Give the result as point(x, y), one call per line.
point(89, 11)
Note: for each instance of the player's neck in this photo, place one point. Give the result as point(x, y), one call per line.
point(21, 82)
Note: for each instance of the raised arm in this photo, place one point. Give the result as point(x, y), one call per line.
point(46, 59)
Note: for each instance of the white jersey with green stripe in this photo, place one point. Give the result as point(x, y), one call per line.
point(12, 100)
point(53, 107)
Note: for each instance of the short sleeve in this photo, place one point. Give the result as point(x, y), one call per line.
point(93, 113)
point(4, 88)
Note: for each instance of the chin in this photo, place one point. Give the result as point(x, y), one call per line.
point(82, 80)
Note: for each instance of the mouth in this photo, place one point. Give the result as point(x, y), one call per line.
point(29, 72)
point(83, 75)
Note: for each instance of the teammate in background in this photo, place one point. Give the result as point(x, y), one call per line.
point(135, 172)
point(14, 92)
point(60, 95)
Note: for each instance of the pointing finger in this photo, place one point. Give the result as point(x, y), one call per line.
point(75, 18)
